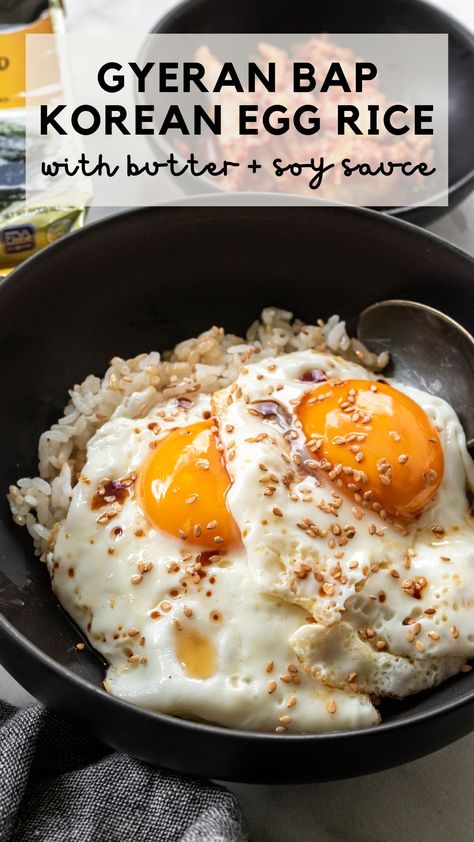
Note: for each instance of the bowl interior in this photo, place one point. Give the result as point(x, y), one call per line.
point(371, 16)
point(149, 278)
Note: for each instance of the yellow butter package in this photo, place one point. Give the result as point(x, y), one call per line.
point(23, 230)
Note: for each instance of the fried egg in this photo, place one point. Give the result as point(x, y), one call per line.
point(277, 555)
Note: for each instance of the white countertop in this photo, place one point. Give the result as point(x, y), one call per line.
point(430, 799)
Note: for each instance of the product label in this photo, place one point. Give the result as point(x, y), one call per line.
point(18, 238)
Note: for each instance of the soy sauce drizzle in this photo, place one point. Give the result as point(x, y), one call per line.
point(273, 411)
point(111, 491)
point(313, 375)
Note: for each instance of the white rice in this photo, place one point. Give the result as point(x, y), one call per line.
point(132, 387)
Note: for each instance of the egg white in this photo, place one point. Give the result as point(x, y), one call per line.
point(269, 594)
point(371, 564)
point(255, 628)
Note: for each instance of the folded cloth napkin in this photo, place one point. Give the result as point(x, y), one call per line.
point(60, 785)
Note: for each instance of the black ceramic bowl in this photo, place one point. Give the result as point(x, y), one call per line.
point(147, 279)
point(365, 16)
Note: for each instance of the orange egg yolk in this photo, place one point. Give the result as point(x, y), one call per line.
point(183, 488)
point(375, 442)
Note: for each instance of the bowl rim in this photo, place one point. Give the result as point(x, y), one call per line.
point(12, 635)
point(453, 26)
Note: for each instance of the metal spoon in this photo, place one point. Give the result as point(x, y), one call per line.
point(428, 350)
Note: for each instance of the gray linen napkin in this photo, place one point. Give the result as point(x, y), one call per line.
point(58, 784)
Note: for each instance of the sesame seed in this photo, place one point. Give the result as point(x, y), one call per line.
point(332, 707)
point(106, 516)
point(277, 512)
point(133, 659)
point(271, 686)
point(197, 531)
point(177, 624)
point(218, 539)
point(466, 668)
point(145, 566)
point(454, 632)
point(187, 611)
point(172, 567)
point(135, 580)
point(434, 635)
point(192, 499)
point(291, 702)
point(403, 458)
point(420, 646)
point(285, 720)
point(269, 666)
point(280, 729)
point(80, 646)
